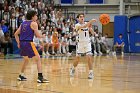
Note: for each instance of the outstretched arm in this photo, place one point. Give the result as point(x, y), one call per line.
point(34, 27)
point(87, 24)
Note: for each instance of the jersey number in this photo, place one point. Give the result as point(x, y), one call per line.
point(85, 34)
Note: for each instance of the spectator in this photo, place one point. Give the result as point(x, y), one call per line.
point(65, 29)
point(1, 37)
point(119, 44)
point(105, 43)
point(64, 44)
point(48, 43)
point(19, 20)
point(38, 44)
point(72, 44)
point(4, 27)
point(7, 43)
point(55, 42)
point(96, 40)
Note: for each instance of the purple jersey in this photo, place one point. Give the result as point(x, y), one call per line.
point(26, 33)
point(26, 40)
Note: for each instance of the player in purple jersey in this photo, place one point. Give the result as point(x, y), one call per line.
point(27, 30)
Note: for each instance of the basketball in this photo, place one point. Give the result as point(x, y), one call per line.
point(104, 19)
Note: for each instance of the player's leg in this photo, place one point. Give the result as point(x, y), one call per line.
point(39, 68)
point(89, 59)
point(90, 65)
point(36, 55)
point(25, 62)
point(77, 59)
point(72, 70)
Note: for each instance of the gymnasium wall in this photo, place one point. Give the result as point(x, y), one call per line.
point(110, 7)
point(111, 1)
point(86, 1)
point(134, 28)
point(120, 27)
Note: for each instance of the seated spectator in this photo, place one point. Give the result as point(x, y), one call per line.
point(72, 44)
point(60, 40)
point(38, 44)
point(105, 43)
point(64, 44)
point(48, 43)
point(7, 43)
point(96, 40)
point(4, 27)
point(43, 43)
point(119, 44)
point(55, 42)
point(1, 36)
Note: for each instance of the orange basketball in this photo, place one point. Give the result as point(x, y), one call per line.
point(104, 19)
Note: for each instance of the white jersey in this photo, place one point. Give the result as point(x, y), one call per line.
point(83, 33)
point(84, 44)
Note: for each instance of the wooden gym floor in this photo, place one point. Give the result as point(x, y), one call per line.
point(112, 75)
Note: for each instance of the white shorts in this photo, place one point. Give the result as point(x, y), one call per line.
point(84, 48)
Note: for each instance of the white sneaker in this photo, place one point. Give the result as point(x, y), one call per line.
point(100, 53)
point(72, 71)
point(114, 53)
point(95, 53)
point(68, 54)
point(47, 53)
point(90, 76)
point(43, 53)
point(122, 53)
point(53, 53)
point(107, 51)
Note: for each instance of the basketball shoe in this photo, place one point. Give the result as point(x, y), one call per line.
point(90, 76)
point(42, 80)
point(21, 78)
point(72, 71)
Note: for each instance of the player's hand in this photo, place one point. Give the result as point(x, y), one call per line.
point(18, 45)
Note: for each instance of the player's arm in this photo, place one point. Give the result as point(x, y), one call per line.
point(17, 35)
point(91, 30)
point(87, 24)
point(34, 27)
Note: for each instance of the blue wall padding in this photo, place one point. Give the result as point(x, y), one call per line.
point(134, 28)
point(96, 1)
point(120, 27)
point(66, 1)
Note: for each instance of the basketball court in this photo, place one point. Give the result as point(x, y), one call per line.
point(111, 75)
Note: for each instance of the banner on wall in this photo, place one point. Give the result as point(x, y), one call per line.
point(96, 1)
point(66, 1)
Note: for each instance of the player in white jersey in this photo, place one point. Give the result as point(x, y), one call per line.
point(84, 44)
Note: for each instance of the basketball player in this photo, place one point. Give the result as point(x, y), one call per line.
point(84, 44)
point(27, 30)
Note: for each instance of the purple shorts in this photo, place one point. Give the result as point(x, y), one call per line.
point(28, 49)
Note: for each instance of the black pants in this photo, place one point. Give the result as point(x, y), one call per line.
point(72, 48)
point(6, 46)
